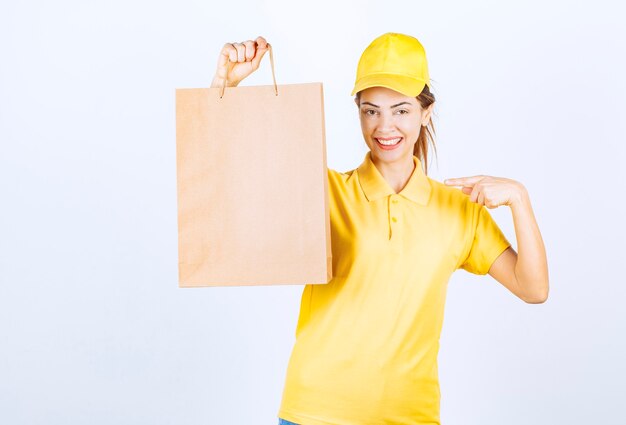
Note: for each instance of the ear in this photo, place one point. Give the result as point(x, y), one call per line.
point(426, 114)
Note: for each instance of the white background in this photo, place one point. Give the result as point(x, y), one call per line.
point(93, 326)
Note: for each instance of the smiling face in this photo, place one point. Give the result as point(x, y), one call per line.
point(391, 123)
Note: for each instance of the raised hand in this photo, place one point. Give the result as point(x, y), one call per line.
point(238, 60)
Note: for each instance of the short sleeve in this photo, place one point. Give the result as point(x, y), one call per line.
point(485, 241)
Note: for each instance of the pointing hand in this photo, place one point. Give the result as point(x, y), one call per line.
point(489, 191)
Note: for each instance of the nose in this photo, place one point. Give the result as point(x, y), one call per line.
point(386, 123)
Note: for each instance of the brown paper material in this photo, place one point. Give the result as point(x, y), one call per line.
point(252, 186)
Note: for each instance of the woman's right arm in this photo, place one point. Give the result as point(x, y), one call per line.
point(238, 60)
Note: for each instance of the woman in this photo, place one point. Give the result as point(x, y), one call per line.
point(367, 342)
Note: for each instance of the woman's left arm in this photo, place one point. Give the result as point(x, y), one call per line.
point(524, 273)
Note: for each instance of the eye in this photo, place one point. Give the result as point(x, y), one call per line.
point(403, 110)
point(367, 111)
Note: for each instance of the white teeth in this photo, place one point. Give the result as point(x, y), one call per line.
point(389, 142)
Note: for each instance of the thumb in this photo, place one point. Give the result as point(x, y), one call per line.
point(260, 52)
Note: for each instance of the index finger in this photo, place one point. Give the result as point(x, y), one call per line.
point(463, 181)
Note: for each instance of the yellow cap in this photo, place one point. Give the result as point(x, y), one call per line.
point(396, 61)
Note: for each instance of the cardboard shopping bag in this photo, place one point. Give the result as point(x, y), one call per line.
point(252, 185)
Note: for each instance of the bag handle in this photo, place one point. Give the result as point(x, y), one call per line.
point(273, 74)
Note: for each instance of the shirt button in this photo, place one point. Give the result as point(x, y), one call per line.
point(394, 219)
point(395, 201)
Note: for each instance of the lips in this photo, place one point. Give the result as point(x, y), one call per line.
point(388, 140)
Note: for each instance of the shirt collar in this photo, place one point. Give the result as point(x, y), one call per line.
point(376, 187)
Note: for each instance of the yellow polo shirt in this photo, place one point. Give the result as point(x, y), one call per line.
point(367, 342)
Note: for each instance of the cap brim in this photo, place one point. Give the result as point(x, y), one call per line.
point(408, 86)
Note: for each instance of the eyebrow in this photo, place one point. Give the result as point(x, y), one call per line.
point(392, 106)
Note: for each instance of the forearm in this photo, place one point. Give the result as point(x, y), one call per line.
point(531, 269)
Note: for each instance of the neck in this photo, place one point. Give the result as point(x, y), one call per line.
point(397, 174)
